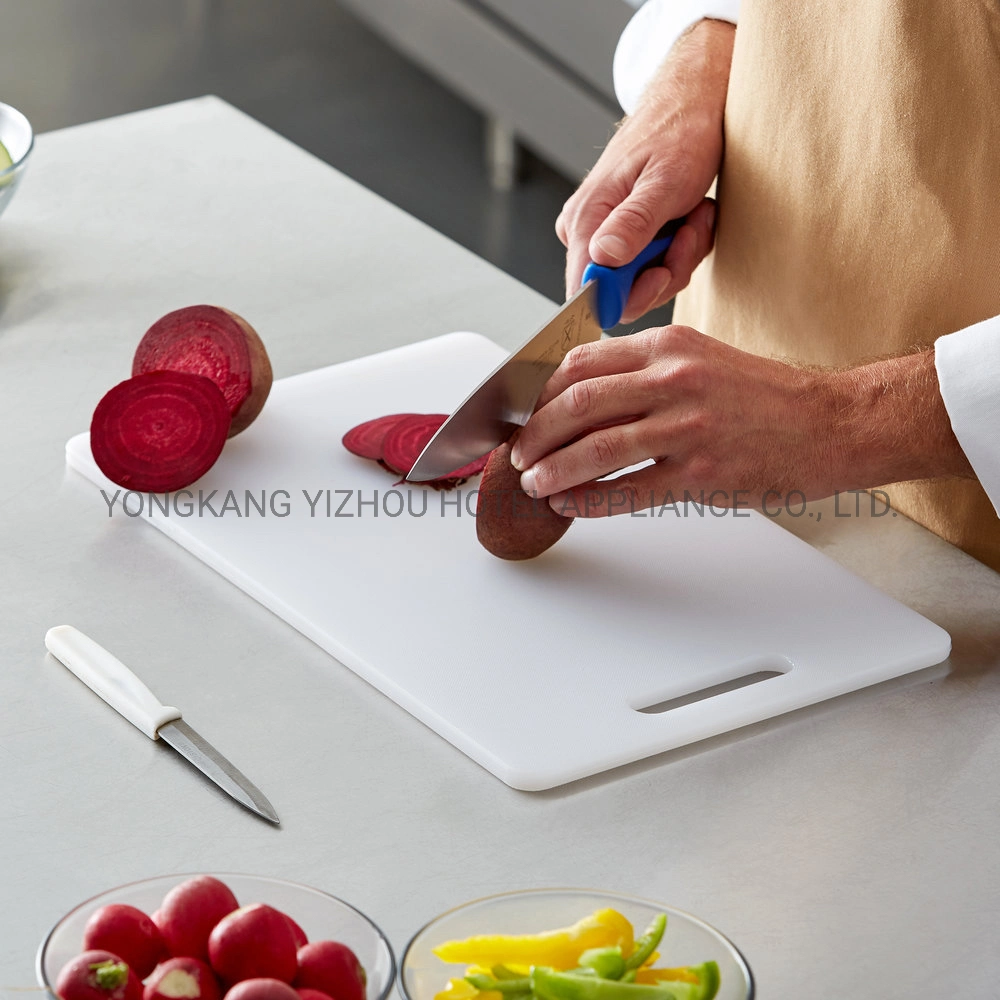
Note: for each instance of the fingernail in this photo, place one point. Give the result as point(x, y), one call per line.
point(613, 246)
point(528, 482)
point(515, 457)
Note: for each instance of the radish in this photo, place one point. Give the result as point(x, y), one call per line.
point(160, 431)
point(218, 344)
point(182, 979)
point(190, 911)
point(98, 975)
point(310, 994)
point(332, 968)
point(262, 989)
point(298, 934)
point(128, 932)
point(253, 942)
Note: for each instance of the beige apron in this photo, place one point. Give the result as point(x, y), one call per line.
point(859, 201)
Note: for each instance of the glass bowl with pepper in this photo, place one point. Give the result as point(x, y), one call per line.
point(571, 944)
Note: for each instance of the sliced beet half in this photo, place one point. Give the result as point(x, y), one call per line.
point(159, 431)
point(217, 344)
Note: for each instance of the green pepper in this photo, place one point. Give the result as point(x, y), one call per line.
point(548, 984)
point(606, 962)
point(646, 944)
point(505, 986)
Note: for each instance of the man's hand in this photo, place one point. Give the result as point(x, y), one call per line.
point(659, 166)
point(720, 420)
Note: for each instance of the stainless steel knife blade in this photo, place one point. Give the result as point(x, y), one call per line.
point(506, 398)
point(214, 766)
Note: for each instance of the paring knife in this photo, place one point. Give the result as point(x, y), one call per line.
point(506, 398)
point(126, 694)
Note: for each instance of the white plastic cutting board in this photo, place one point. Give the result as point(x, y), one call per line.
point(537, 670)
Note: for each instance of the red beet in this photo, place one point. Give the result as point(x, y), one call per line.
point(332, 968)
point(309, 994)
point(159, 432)
point(128, 932)
point(253, 942)
point(98, 975)
point(366, 439)
point(182, 979)
point(218, 344)
point(190, 911)
point(406, 439)
point(262, 989)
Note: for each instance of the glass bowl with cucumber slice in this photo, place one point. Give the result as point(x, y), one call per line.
point(571, 944)
point(16, 143)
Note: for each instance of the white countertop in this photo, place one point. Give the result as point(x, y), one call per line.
point(845, 846)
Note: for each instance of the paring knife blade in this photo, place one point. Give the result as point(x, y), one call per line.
point(108, 677)
point(506, 398)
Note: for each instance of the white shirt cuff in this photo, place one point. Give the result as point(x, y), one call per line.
point(650, 35)
point(968, 370)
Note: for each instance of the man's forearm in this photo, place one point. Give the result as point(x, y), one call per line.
point(892, 425)
point(698, 64)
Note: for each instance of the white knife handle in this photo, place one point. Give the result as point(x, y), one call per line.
point(110, 678)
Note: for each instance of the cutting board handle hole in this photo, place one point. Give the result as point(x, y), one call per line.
point(658, 708)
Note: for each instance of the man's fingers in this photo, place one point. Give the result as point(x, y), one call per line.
point(598, 453)
point(652, 486)
point(629, 227)
point(602, 357)
point(648, 291)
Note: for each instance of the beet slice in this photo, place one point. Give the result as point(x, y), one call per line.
point(396, 441)
point(406, 439)
point(366, 439)
point(160, 431)
point(215, 343)
point(509, 523)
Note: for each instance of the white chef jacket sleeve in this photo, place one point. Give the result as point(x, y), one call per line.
point(649, 36)
point(968, 370)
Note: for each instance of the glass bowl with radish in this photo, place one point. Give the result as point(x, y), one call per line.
point(571, 944)
point(215, 937)
point(16, 142)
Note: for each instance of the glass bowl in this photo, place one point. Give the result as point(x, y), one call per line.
point(320, 915)
point(18, 139)
point(687, 941)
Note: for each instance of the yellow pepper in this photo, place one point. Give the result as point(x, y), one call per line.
point(653, 976)
point(558, 949)
point(459, 989)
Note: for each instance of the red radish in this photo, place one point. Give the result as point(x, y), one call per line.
point(309, 994)
point(332, 968)
point(159, 432)
point(366, 439)
point(262, 989)
point(297, 933)
point(128, 932)
point(253, 942)
point(182, 979)
point(98, 975)
point(190, 911)
point(218, 344)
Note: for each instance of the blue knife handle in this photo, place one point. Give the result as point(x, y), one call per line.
point(615, 283)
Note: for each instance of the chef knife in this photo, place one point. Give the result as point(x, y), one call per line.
point(506, 398)
point(126, 694)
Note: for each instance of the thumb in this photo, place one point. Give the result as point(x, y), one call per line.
point(628, 229)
